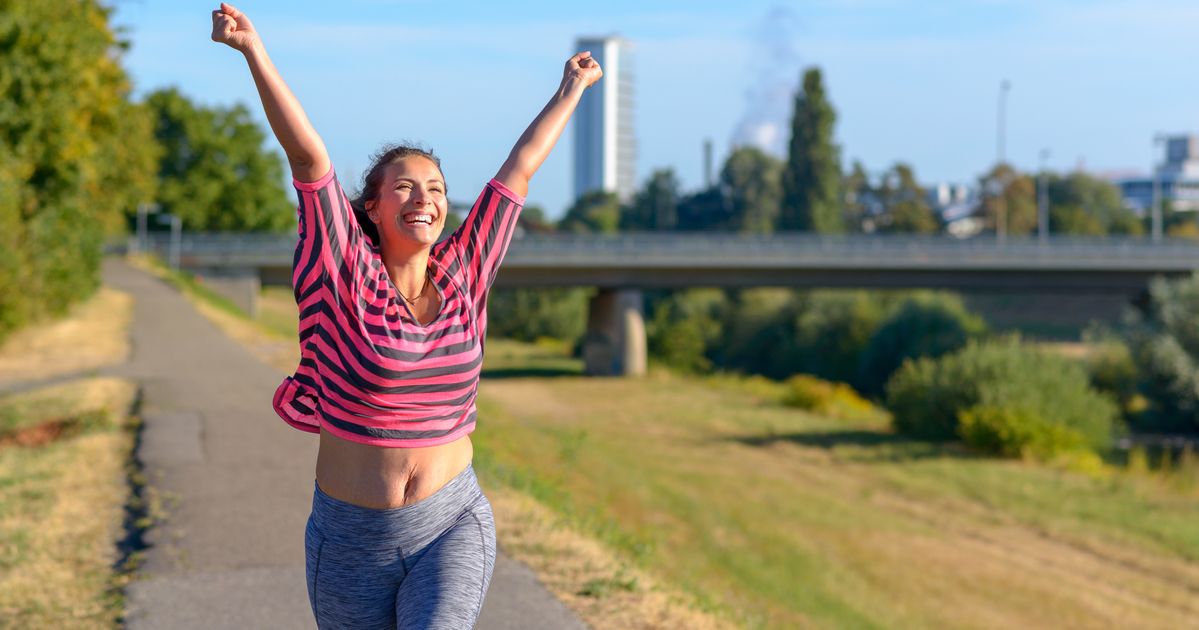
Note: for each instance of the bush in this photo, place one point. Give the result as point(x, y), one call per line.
point(684, 328)
point(531, 314)
point(924, 325)
point(832, 329)
point(1164, 344)
point(927, 395)
point(1015, 432)
point(826, 398)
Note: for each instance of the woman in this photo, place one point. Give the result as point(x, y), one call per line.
point(391, 332)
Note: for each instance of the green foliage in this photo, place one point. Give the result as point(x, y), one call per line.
point(811, 200)
point(752, 180)
point(74, 154)
point(859, 198)
point(706, 210)
point(1074, 220)
point(214, 173)
point(656, 205)
point(1113, 371)
point(826, 398)
point(1016, 432)
point(1010, 200)
point(1095, 198)
point(1164, 342)
point(594, 212)
point(904, 206)
point(531, 314)
point(924, 325)
point(927, 396)
point(684, 326)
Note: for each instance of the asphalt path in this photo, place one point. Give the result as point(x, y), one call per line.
point(237, 484)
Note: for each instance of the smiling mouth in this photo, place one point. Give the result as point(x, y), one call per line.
point(418, 219)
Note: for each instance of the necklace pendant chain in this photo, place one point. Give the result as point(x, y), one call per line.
point(420, 295)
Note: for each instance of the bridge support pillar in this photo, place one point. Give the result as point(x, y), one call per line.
point(615, 341)
point(241, 285)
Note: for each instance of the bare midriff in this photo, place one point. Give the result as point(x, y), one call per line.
point(380, 477)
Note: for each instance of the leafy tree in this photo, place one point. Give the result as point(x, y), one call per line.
point(214, 173)
point(74, 154)
point(706, 210)
point(810, 197)
point(1010, 199)
point(1071, 219)
point(860, 200)
point(752, 180)
point(595, 211)
point(532, 219)
point(656, 206)
point(904, 205)
point(1164, 341)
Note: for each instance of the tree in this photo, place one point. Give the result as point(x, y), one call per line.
point(810, 197)
point(595, 211)
point(214, 173)
point(1009, 200)
point(656, 206)
point(706, 210)
point(904, 207)
point(752, 181)
point(75, 153)
point(860, 201)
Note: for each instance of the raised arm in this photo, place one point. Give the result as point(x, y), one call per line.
point(305, 151)
point(535, 143)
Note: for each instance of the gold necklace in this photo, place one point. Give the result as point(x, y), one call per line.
point(420, 295)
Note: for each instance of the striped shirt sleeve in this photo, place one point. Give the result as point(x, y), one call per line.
point(483, 238)
point(332, 246)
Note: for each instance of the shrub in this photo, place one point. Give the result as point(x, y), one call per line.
point(826, 398)
point(531, 314)
point(1164, 342)
point(924, 325)
point(685, 326)
point(832, 329)
point(1015, 432)
point(927, 395)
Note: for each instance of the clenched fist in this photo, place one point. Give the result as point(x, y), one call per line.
point(583, 69)
point(232, 27)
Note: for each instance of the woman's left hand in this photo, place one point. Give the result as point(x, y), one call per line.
point(582, 68)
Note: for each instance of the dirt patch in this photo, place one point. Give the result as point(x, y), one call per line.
point(41, 434)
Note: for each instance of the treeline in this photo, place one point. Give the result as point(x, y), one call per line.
point(78, 155)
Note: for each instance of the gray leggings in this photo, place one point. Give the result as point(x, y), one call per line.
point(425, 565)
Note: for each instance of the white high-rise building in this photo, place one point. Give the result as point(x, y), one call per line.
point(605, 141)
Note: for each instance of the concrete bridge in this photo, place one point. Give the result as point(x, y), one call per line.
point(622, 266)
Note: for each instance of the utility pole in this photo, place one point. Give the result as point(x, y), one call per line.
point(1155, 210)
point(1043, 203)
point(1001, 156)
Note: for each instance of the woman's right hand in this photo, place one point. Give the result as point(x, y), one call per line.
point(233, 28)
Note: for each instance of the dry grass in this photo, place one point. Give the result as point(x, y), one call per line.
point(606, 592)
point(62, 508)
point(94, 334)
point(784, 519)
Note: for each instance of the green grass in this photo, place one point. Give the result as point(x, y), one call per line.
point(780, 518)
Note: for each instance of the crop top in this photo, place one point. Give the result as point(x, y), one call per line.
point(369, 372)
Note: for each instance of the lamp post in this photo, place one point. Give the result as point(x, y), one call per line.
point(1043, 202)
point(1004, 87)
point(176, 237)
point(1155, 209)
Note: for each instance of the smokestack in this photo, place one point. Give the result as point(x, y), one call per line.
point(708, 163)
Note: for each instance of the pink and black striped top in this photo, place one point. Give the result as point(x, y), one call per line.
point(368, 371)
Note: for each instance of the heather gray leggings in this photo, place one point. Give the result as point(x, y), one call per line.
point(425, 565)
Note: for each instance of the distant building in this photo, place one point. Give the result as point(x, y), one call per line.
point(605, 139)
point(1178, 178)
point(957, 205)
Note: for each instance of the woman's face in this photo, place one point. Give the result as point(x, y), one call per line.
point(411, 206)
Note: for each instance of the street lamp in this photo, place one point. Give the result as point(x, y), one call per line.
point(176, 237)
point(143, 209)
point(1004, 87)
point(1001, 132)
point(1155, 209)
point(1043, 202)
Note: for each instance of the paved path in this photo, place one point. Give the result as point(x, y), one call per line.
point(230, 552)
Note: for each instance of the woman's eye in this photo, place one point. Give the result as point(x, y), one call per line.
point(435, 189)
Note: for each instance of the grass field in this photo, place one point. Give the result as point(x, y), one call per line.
point(64, 456)
point(776, 518)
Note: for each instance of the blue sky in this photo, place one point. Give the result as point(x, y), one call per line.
point(913, 81)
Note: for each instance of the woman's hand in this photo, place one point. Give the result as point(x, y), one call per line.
point(233, 28)
point(582, 69)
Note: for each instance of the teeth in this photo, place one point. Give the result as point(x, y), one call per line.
point(420, 218)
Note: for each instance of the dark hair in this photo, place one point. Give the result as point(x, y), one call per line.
point(389, 154)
